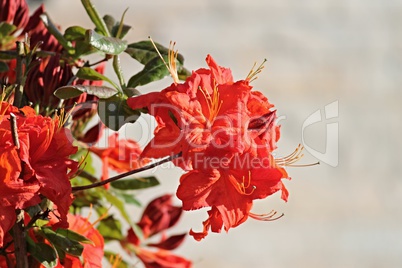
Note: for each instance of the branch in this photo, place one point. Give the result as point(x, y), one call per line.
point(19, 90)
point(123, 175)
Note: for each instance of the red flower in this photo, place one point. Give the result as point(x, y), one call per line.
point(226, 133)
point(120, 155)
point(40, 167)
point(157, 217)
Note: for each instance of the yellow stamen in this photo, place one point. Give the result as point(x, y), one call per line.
point(252, 75)
point(293, 158)
point(213, 102)
point(115, 260)
point(266, 217)
point(243, 186)
point(172, 58)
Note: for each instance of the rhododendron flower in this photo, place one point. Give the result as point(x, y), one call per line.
point(226, 133)
point(120, 155)
point(40, 167)
point(157, 217)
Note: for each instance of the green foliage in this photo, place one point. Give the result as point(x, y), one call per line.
point(114, 112)
point(135, 184)
point(43, 253)
point(68, 92)
point(61, 242)
point(110, 228)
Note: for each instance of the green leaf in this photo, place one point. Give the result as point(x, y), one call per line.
point(114, 112)
point(74, 32)
point(74, 236)
point(129, 198)
point(3, 66)
point(117, 203)
point(135, 184)
point(111, 256)
point(68, 92)
point(95, 17)
point(154, 70)
point(6, 29)
point(8, 55)
point(108, 45)
point(110, 229)
point(56, 33)
point(65, 244)
point(88, 73)
point(144, 52)
point(109, 22)
point(43, 253)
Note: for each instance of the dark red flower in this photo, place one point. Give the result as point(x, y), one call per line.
point(157, 217)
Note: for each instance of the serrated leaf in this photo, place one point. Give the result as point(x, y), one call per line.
point(154, 70)
point(110, 228)
point(74, 32)
point(88, 73)
point(114, 112)
point(95, 17)
point(65, 244)
point(68, 92)
point(107, 45)
point(144, 52)
point(74, 236)
point(43, 253)
point(135, 184)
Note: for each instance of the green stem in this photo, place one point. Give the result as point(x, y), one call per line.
point(19, 89)
point(123, 175)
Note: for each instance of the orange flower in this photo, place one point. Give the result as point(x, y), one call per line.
point(226, 134)
point(40, 167)
point(120, 155)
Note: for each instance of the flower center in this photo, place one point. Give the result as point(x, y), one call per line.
point(213, 102)
point(242, 187)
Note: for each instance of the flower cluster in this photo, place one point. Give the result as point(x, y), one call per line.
point(34, 162)
point(226, 133)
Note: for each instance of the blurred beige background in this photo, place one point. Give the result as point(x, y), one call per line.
point(318, 52)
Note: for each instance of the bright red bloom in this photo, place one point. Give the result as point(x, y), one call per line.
point(226, 133)
point(157, 217)
point(120, 155)
point(40, 167)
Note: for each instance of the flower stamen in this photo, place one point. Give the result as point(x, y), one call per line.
point(172, 58)
point(252, 75)
point(243, 186)
point(213, 102)
point(295, 156)
point(266, 217)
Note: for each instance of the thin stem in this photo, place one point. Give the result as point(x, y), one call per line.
point(123, 175)
point(20, 241)
point(18, 228)
point(19, 89)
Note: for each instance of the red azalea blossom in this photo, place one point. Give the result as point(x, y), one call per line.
point(226, 133)
point(120, 155)
point(40, 167)
point(157, 217)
